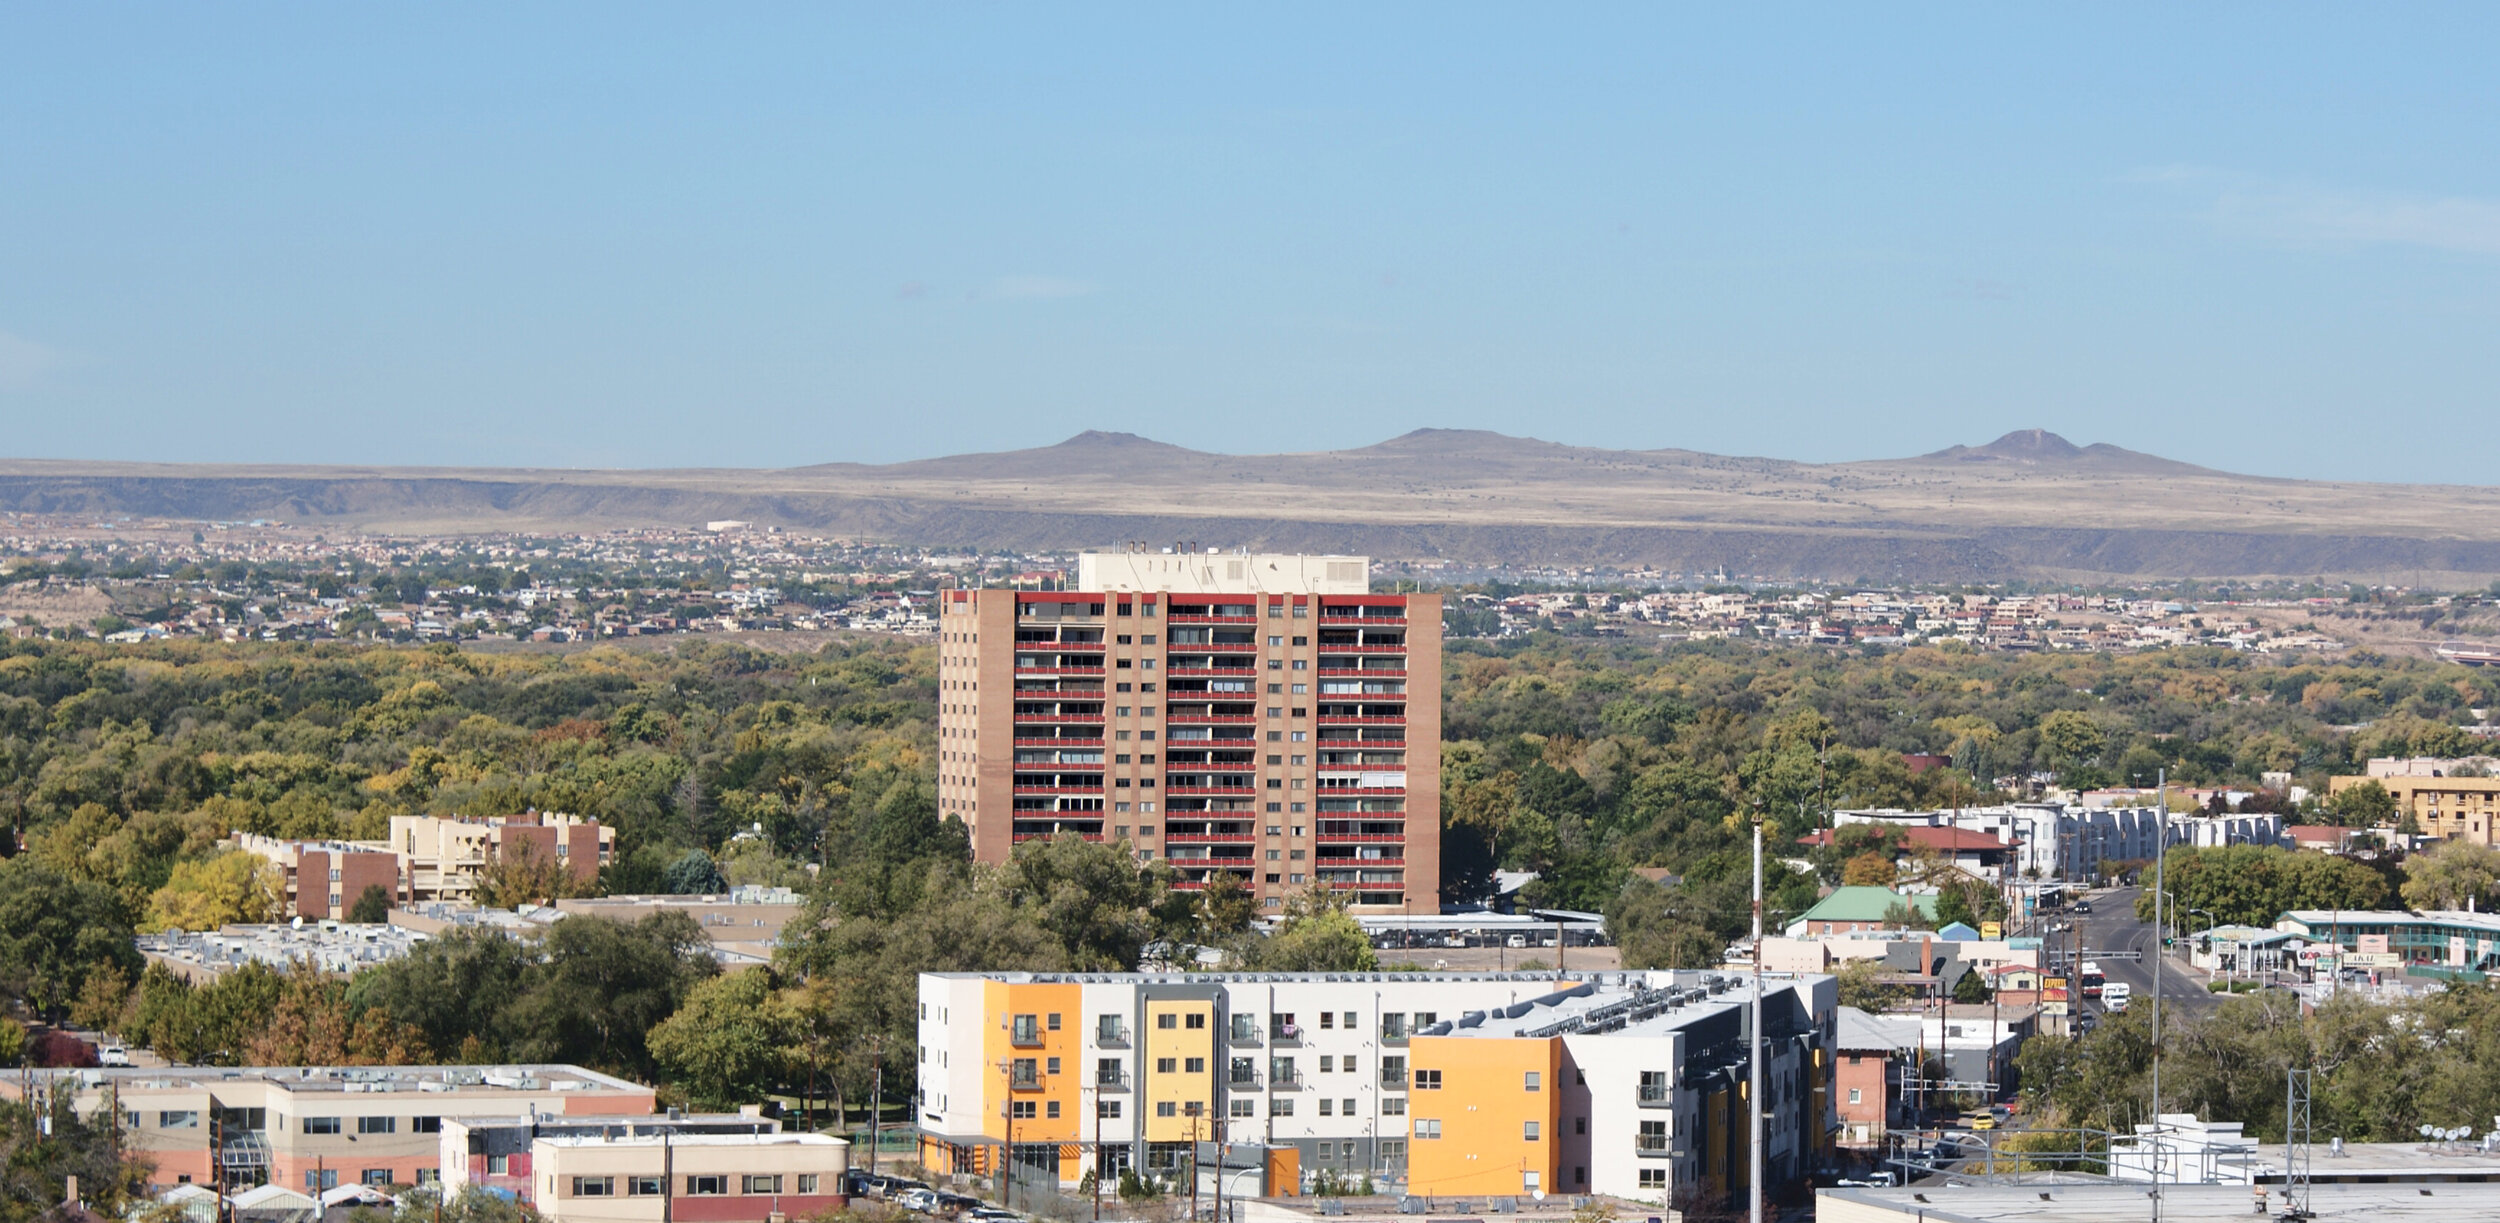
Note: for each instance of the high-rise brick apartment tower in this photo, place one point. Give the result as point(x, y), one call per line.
point(1265, 715)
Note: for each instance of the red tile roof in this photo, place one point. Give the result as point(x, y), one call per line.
point(1921, 836)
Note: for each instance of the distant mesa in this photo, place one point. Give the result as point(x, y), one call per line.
point(2020, 446)
point(2041, 448)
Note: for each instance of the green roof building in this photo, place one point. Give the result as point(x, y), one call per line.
point(1854, 910)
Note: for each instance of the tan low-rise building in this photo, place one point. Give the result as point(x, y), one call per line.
point(735, 1168)
point(2446, 807)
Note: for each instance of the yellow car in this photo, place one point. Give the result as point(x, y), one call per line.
point(1981, 1121)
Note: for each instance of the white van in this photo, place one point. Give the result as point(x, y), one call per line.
point(2115, 995)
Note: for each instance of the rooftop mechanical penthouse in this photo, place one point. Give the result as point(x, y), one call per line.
point(1264, 715)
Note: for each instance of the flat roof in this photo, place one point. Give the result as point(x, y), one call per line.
point(784, 1138)
point(2118, 1202)
point(374, 1079)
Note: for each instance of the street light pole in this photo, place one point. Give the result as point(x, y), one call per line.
point(2161, 855)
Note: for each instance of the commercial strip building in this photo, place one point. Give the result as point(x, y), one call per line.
point(317, 1127)
point(1262, 715)
point(717, 1168)
point(426, 858)
point(2445, 940)
point(1625, 1083)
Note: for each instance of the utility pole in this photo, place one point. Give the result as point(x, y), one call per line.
point(2161, 854)
point(1753, 1055)
point(876, 1100)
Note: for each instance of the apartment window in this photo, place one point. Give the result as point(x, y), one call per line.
point(1430, 1080)
point(1275, 809)
point(1166, 1108)
point(1326, 1062)
point(1275, 711)
point(321, 1125)
point(706, 1186)
point(1108, 1030)
point(377, 1125)
point(1301, 664)
point(594, 1186)
point(1168, 1021)
point(1197, 1021)
point(429, 1176)
point(1531, 1182)
point(764, 1184)
point(319, 1179)
point(178, 1119)
point(1580, 1126)
point(645, 1186)
point(1275, 612)
point(1301, 736)
point(1020, 1110)
point(1280, 1106)
point(425, 1125)
point(1171, 1065)
point(1393, 1106)
point(1656, 1178)
point(1195, 1065)
point(497, 1165)
point(1326, 1107)
point(1536, 1082)
point(1108, 1110)
point(1120, 710)
point(807, 1182)
point(1050, 1066)
point(1301, 611)
point(1300, 640)
point(1349, 1106)
point(1348, 1064)
point(1426, 1127)
point(1244, 1107)
point(1531, 1132)
point(1276, 641)
point(1854, 1098)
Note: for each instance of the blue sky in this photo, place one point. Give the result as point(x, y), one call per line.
point(2265, 238)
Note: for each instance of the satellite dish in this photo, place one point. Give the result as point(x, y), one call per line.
point(296, 924)
point(2423, 1130)
point(1538, 1195)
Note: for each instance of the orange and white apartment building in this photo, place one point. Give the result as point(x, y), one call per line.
point(318, 1127)
point(1266, 715)
point(1450, 1084)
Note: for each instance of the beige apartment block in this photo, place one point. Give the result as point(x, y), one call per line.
point(442, 856)
point(2447, 807)
point(1261, 715)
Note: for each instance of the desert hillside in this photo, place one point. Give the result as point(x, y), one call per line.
point(2030, 504)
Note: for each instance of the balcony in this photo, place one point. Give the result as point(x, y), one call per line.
point(1285, 1079)
point(1061, 743)
point(1289, 1032)
point(1194, 790)
point(1326, 647)
point(1024, 1081)
point(1211, 620)
point(1113, 1079)
point(1247, 1080)
point(1111, 1035)
point(1022, 837)
point(1205, 838)
point(1092, 789)
point(1039, 719)
point(1053, 670)
point(1244, 1033)
point(1361, 838)
point(1340, 620)
point(1024, 1032)
point(1216, 671)
point(1651, 1146)
point(1657, 1095)
point(1393, 1080)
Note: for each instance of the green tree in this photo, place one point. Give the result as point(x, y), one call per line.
point(1861, 986)
point(732, 1041)
point(2365, 805)
point(1325, 941)
point(2454, 874)
point(55, 933)
point(225, 888)
point(372, 907)
point(2069, 738)
point(603, 985)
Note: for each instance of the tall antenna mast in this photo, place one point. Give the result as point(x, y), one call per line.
point(2161, 854)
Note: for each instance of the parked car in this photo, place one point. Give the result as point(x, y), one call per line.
point(957, 1203)
point(993, 1214)
point(112, 1055)
point(923, 1200)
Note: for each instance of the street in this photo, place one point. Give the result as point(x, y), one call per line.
point(2112, 926)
